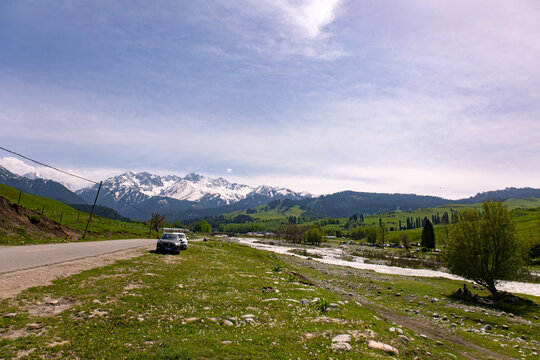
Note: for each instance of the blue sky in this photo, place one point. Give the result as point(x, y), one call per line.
point(431, 97)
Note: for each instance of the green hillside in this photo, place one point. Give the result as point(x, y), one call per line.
point(271, 217)
point(99, 227)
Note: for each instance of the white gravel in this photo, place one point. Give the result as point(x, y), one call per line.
point(332, 256)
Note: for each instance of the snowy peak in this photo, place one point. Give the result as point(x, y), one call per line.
point(275, 192)
point(208, 192)
point(196, 187)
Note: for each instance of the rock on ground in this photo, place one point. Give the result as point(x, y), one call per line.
point(381, 346)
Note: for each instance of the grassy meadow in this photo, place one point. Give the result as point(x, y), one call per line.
point(99, 228)
point(223, 301)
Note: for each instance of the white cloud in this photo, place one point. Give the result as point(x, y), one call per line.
point(309, 16)
point(16, 166)
point(283, 28)
point(19, 167)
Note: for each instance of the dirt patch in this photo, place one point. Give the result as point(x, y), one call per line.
point(49, 307)
point(430, 331)
point(35, 329)
point(15, 219)
point(13, 283)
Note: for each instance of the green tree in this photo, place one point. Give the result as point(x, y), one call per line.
point(371, 235)
point(314, 235)
point(427, 238)
point(358, 233)
point(383, 230)
point(202, 226)
point(404, 239)
point(483, 246)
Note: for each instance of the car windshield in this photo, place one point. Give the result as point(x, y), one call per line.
point(181, 236)
point(169, 237)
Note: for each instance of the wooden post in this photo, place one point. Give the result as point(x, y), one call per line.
point(20, 194)
point(61, 216)
point(78, 216)
point(92, 212)
point(43, 209)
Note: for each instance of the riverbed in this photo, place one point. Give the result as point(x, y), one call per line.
point(333, 256)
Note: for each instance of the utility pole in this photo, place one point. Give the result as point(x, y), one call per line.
point(92, 212)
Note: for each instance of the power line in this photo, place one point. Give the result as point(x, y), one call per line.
point(74, 175)
point(49, 166)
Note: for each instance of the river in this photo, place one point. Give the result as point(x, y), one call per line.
point(333, 256)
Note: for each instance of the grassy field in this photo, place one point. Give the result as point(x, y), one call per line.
point(99, 228)
point(527, 212)
point(224, 301)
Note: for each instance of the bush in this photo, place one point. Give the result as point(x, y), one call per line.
point(34, 219)
point(322, 305)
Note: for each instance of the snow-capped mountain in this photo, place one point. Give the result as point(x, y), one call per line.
point(172, 193)
point(33, 183)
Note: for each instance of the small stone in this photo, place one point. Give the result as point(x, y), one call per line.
point(53, 302)
point(206, 308)
point(535, 317)
point(435, 315)
point(404, 338)
point(341, 346)
point(9, 315)
point(423, 336)
point(96, 301)
point(341, 303)
point(440, 343)
point(34, 326)
point(504, 327)
point(226, 342)
point(341, 338)
point(272, 299)
point(486, 328)
point(314, 300)
point(334, 305)
point(228, 323)
point(304, 302)
point(248, 316)
point(372, 344)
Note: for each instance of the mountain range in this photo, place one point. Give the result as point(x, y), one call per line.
point(35, 185)
point(196, 196)
point(140, 194)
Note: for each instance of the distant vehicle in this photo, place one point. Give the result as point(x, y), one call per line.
point(172, 242)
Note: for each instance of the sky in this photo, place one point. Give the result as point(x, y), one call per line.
point(396, 96)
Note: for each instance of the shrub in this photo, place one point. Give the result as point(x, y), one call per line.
point(34, 219)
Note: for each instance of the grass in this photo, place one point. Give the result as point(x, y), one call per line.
point(527, 212)
point(197, 305)
point(99, 228)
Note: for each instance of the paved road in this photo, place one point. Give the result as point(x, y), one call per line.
point(15, 258)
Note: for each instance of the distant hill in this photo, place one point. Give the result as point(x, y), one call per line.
point(508, 193)
point(346, 203)
point(38, 186)
point(101, 211)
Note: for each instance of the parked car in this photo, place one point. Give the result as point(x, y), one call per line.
point(172, 242)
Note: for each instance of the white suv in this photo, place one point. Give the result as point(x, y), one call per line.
point(172, 242)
